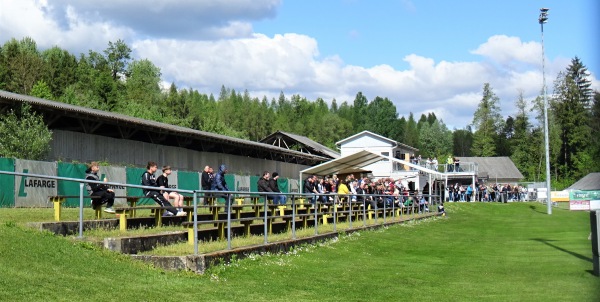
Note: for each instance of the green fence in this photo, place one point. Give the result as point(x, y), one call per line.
point(7, 183)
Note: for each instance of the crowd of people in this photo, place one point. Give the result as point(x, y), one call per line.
point(385, 192)
point(483, 192)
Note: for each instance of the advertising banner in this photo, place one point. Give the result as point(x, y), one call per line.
point(7, 183)
point(33, 191)
point(293, 185)
point(283, 184)
point(242, 183)
point(115, 174)
point(579, 205)
point(134, 177)
point(71, 188)
point(188, 181)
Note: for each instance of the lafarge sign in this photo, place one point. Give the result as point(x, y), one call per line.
point(33, 191)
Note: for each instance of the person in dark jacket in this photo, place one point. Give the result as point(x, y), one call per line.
point(207, 180)
point(275, 187)
point(219, 184)
point(311, 188)
point(148, 179)
point(106, 195)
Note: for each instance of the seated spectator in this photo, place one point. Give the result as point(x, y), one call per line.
point(106, 195)
point(275, 188)
point(263, 187)
point(163, 182)
point(343, 191)
point(149, 180)
point(310, 188)
point(441, 209)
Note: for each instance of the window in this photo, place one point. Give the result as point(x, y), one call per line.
point(386, 154)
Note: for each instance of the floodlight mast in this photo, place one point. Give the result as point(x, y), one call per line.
point(543, 18)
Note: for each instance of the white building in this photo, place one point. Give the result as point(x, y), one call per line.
point(376, 143)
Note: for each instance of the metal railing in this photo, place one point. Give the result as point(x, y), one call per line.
point(348, 203)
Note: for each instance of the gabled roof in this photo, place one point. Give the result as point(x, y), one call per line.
point(383, 138)
point(587, 183)
point(92, 121)
point(496, 167)
point(308, 145)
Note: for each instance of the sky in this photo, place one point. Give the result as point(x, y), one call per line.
point(423, 55)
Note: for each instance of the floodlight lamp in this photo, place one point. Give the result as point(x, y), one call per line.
point(544, 10)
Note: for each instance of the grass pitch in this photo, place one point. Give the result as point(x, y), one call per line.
point(480, 252)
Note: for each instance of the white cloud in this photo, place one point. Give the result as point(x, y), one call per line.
point(227, 52)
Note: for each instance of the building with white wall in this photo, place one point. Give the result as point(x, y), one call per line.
point(376, 143)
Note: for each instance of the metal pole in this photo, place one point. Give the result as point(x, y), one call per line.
point(228, 201)
point(195, 223)
point(350, 215)
point(265, 227)
point(80, 210)
point(316, 219)
point(293, 218)
point(542, 19)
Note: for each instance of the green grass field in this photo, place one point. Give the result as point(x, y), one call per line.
point(480, 252)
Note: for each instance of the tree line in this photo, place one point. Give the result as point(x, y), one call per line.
point(112, 80)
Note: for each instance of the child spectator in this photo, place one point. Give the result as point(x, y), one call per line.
point(163, 182)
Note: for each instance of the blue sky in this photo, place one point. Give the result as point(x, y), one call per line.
point(369, 33)
point(424, 55)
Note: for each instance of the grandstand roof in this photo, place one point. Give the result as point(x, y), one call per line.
point(305, 144)
point(587, 183)
point(92, 121)
point(348, 164)
point(501, 167)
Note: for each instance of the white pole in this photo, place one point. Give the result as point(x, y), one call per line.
point(542, 19)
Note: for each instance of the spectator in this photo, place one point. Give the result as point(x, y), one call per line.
point(343, 191)
point(206, 181)
point(219, 184)
point(105, 194)
point(163, 182)
point(310, 188)
point(275, 188)
point(456, 164)
point(149, 180)
point(441, 209)
point(362, 197)
point(450, 163)
point(434, 163)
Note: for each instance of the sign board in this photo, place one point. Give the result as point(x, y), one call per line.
point(579, 205)
point(558, 196)
point(33, 191)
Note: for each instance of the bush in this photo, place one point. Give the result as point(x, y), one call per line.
point(23, 134)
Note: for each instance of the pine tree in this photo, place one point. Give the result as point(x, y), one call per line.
point(486, 121)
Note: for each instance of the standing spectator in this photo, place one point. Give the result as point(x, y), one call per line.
point(450, 163)
point(456, 164)
point(275, 188)
point(206, 182)
point(219, 184)
point(149, 180)
point(163, 182)
point(434, 163)
point(105, 194)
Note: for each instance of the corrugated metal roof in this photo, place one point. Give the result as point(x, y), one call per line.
point(157, 127)
point(589, 182)
point(496, 167)
point(319, 148)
